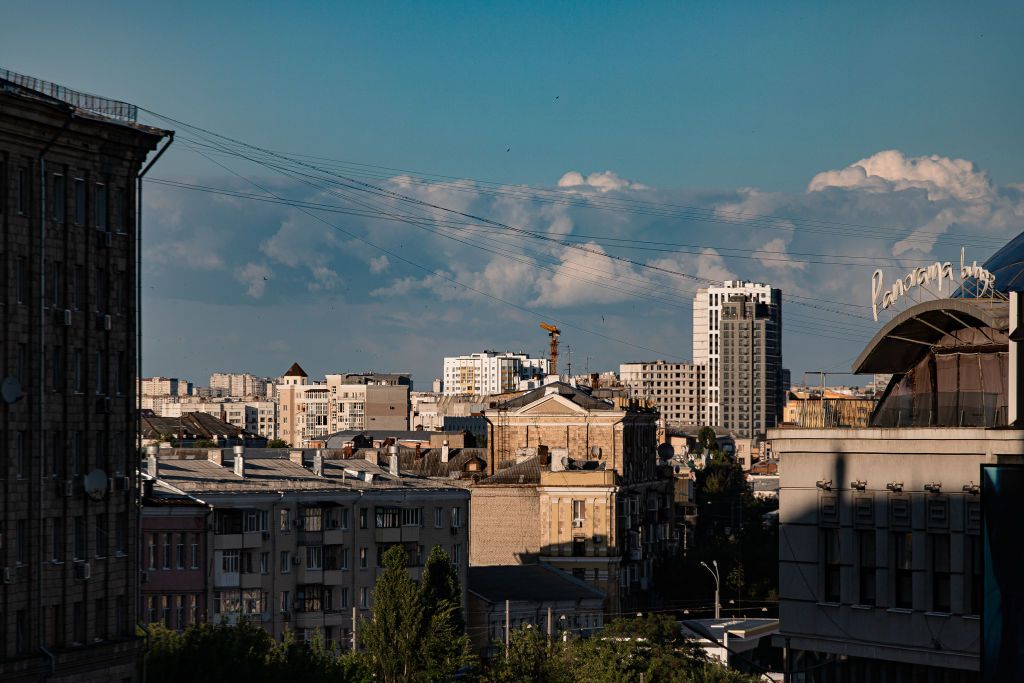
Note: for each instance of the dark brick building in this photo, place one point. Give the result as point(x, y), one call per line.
point(68, 361)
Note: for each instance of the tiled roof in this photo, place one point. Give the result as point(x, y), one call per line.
point(197, 425)
point(528, 582)
point(577, 396)
point(295, 371)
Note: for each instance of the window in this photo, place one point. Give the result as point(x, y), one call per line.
point(57, 539)
point(57, 201)
point(101, 535)
point(194, 547)
point(22, 192)
point(20, 280)
point(120, 210)
point(285, 603)
point(227, 602)
point(286, 562)
point(102, 295)
point(973, 575)
point(78, 288)
point(310, 597)
point(253, 600)
point(78, 622)
point(362, 518)
point(151, 609)
point(362, 558)
point(314, 557)
point(903, 577)
point(79, 538)
point(286, 519)
point(255, 520)
point(21, 541)
point(312, 519)
point(80, 201)
point(151, 551)
point(364, 598)
point(20, 454)
point(101, 375)
point(57, 368)
point(77, 372)
point(411, 516)
point(830, 553)
point(579, 513)
point(388, 518)
point(456, 554)
point(230, 562)
point(866, 564)
point(438, 518)
point(101, 207)
point(179, 616)
point(456, 517)
point(940, 572)
point(56, 282)
point(335, 557)
point(341, 595)
point(180, 550)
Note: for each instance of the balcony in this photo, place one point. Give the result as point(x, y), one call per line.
point(250, 580)
point(303, 575)
point(308, 619)
point(336, 577)
point(249, 539)
point(337, 536)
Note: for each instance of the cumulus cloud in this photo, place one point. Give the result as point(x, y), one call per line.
point(773, 255)
point(605, 181)
point(254, 276)
point(379, 264)
point(941, 177)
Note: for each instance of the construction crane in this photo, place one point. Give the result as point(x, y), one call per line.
point(553, 333)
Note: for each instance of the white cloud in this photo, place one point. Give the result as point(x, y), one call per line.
point(773, 255)
point(891, 170)
point(605, 181)
point(379, 264)
point(254, 276)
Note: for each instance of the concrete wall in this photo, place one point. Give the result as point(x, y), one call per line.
point(505, 527)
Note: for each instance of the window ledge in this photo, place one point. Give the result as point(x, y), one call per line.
point(862, 607)
point(972, 617)
point(938, 614)
point(899, 610)
point(828, 604)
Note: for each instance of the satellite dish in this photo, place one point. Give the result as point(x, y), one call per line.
point(10, 389)
point(96, 484)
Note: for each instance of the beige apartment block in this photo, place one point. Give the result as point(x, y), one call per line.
point(674, 388)
point(68, 353)
point(298, 536)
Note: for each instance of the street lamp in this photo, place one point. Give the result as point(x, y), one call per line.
point(714, 575)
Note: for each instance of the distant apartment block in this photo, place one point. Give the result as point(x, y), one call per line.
point(726, 401)
point(164, 386)
point(242, 385)
point(491, 372)
point(674, 388)
point(309, 412)
point(305, 557)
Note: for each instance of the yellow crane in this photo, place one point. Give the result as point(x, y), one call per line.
point(553, 333)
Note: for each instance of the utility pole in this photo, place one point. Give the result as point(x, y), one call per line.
point(551, 625)
point(355, 620)
point(508, 621)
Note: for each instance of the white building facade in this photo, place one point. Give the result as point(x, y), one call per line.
point(490, 372)
point(675, 388)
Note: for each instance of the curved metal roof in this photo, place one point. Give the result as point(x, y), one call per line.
point(903, 340)
point(1007, 265)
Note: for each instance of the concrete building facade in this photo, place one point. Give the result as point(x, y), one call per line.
point(68, 354)
point(242, 384)
point(707, 340)
point(297, 536)
point(490, 372)
point(676, 389)
point(750, 394)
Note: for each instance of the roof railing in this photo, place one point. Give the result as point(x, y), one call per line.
point(95, 104)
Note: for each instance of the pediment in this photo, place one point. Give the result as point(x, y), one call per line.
point(552, 405)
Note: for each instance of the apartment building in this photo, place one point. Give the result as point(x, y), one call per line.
point(881, 561)
point(750, 393)
point(576, 484)
point(163, 386)
point(297, 537)
point(68, 168)
point(491, 372)
point(707, 337)
point(674, 388)
point(242, 384)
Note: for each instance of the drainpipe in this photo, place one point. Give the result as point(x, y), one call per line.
point(40, 390)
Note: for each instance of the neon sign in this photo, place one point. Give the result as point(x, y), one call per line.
point(937, 273)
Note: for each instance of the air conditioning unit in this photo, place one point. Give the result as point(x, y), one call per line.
point(67, 317)
point(8, 574)
point(577, 524)
point(108, 323)
point(120, 483)
point(69, 488)
point(83, 571)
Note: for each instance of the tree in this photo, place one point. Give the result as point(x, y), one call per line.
point(394, 633)
point(446, 648)
point(707, 441)
point(529, 659)
point(277, 443)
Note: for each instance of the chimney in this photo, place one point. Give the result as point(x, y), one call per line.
point(393, 460)
point(239, 452)
point(318, 463)
point(444, 451)
point(152, 467)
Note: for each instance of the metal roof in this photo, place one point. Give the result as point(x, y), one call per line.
point(528, 583)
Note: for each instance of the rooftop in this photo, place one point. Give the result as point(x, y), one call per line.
point(295, 371)
point(103, 106)
point(566, 391)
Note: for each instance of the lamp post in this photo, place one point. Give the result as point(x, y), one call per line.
point(714, 575)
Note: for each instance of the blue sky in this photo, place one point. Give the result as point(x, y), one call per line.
point(740, 105)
